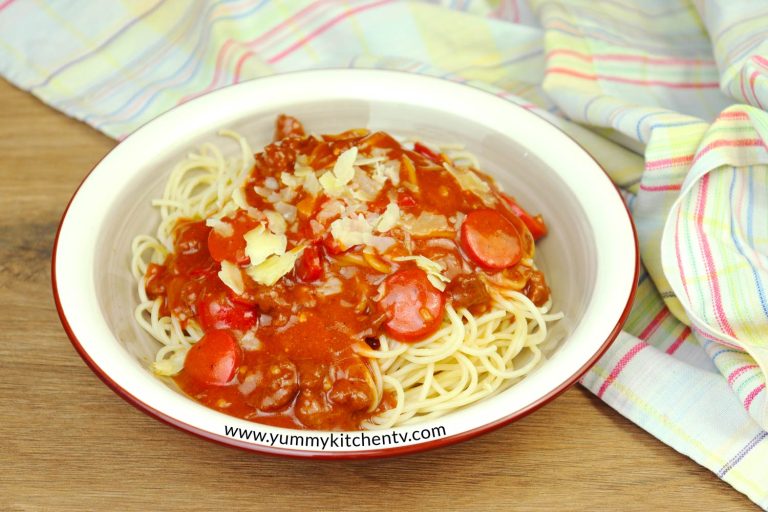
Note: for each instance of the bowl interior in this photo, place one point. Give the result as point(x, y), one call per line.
point(567, 256)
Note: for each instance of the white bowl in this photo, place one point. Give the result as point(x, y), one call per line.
point(590, 257)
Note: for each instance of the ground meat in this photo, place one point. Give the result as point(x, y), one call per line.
point(333, 395)
point(276, 387)
point(536, 289)
point(286, 126)
point(352, 393)
point(467, 290)
point(313, 376)
point(267, 298)
point(312, 408)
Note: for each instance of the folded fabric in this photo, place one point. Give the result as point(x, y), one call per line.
point(668, 95)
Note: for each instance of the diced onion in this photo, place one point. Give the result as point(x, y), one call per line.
point(332, 286)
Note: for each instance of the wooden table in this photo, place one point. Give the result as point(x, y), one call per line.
point(69, 443)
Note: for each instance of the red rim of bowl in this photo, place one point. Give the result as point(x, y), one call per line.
point(359, 454)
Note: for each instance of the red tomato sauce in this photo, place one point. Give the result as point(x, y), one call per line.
point(297, 364)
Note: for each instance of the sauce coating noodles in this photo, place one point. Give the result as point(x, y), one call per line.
point(340, 282)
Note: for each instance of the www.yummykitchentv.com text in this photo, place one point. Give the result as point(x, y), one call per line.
point(335, 439)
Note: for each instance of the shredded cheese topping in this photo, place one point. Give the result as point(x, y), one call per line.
point(230, 275)
point(273, 268)
point(389, 218)
point(433, 269)
point(334, 182)
point(261, 244)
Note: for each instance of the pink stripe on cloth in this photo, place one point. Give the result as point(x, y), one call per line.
point(218, 70)
point(626, 358)
point(741, 86)
point(287, 22)
point(752, 79)
point(738, 143)
point(654, 324)
point(628, 58)
point(5, 4)
point(239, 66)
point(738, 371)
point(709, 264)
point(653, 165)
point(633, 81)
point(322, 28)
point(659, 188)
point(678, 160)
point(623, 362)
point(760, 61)
point(679, 341)
point(751, 396)
point(515, 11)
point(709, 336)
point(679, 256)
point(759, 58)
point(735, 115)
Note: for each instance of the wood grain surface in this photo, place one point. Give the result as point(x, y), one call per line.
point(69, 443)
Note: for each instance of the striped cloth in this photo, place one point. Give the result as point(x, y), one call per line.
point(669, 95)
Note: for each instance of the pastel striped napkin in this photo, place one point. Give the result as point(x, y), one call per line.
point(669, 95)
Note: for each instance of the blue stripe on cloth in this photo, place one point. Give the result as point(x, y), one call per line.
point(100, 47)
point(742, 453)
point(192, 58)
point(740, 247)
point(155, 50)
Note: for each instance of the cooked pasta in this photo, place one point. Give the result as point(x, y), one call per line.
point(340, 282)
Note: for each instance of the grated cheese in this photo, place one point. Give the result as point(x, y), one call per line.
point(344, 168)
point(469, 180)
point(311, 184)
point(275, 267)
point(334, 182)
point(230, 275)
point(426, 225)
point(329, 210)
point(351, 231)
point(365, 188)
point(389, 218)
point(392, 171)
point(225, 229)
point(261, 244)
point(433, 270)
point(276, 222)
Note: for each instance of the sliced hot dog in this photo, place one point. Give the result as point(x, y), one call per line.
point(491, 240)
point(412, 307)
